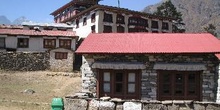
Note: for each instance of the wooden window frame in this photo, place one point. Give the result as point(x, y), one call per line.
point(46, 41)
point(61, 55)
point(165, 25)
point(172, 85)
point(120, 19)
point(23, 42)
point(120, 29)
point(65, 43)
point(154, 24)
point(108, 17)
point(107, 29)
point(2, 38)
point(112, 93)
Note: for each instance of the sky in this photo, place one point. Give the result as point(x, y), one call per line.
point(39, 10)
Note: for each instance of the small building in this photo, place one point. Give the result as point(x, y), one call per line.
point(91, 17)
point(58, 41)
point(151, 66)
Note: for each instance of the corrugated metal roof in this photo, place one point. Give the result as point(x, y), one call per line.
point(37, 33)
point(149, 43)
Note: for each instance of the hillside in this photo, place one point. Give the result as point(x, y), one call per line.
point(196, 13)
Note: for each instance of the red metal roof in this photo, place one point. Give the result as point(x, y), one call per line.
point(149, 43)
point(37, 33)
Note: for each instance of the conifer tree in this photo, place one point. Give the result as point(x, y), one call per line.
point(211, 29)
point(167, 9)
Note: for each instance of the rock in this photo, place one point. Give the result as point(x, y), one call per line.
point(93, 105)
point(75, 104)
point(105, 98)
point(119, 106)
point(118, 100)
point(154, 107)
point(212, 107)
point(199, 107)
point(28, 91)
point(132, 106)
point(106, 105)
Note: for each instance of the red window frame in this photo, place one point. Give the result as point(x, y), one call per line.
point(49, 43)
point(61, 55)
point(179, 85)
point(122, 91)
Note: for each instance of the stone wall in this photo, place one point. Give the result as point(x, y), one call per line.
point(149, 75)
point(118, 104)
point(64, 65)
point(20, 61)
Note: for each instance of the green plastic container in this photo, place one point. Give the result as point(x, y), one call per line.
point(57, 104)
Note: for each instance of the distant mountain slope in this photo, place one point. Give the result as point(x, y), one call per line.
point(196, 13)
point(18, 21)
point(4, 20)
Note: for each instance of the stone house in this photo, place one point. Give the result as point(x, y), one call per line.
point(61, 44)
point(87, 16)
point(148, 66)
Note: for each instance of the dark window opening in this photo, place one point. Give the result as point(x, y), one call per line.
point(77, 23)
point(131, 30)
point(120, 19)
point(120, 29)
point(155, 31)
point(2, 43)
point(154, 24)
point(107, 29)
point(23, 42)
point(93, 18)
point(107, 18)
point(93, 28)
point(61, 55)
point(65, 43)
point(165, 26)
point(138, 21)
point(49, 43)
point(84, 21)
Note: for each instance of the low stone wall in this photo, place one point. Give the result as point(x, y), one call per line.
point(118, 104)
point(20, 61)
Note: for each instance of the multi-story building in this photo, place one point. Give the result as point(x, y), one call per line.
point(90, 17)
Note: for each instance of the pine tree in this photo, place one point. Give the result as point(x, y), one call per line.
point(211, 29)
point(167, 9)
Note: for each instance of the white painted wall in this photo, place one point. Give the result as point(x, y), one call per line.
point(84, 31)
point(35, 43)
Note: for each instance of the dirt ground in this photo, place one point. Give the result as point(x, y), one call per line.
point(46, 85)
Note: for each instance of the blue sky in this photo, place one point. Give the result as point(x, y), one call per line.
point(39, 10)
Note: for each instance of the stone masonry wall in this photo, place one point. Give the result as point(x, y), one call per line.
point(117, 104)
point(19, 61)
point(149, 75)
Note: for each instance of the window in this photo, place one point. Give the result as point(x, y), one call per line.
point(77, 23)
point(65, 43)
point(120, 19)
point(61, 55)
point(154, 24)
point(132, 21)
point(179, 85)
point(165, 26)
point(93, 18)
point(23, 42)
point(107, 29)
point(49, 43)
point(155, 32)
point(93, 28)
point(130, 30)
point(119, 83)
point(2, 43)
point(107, 17)
point(120, 29)
point(84, 21)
